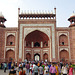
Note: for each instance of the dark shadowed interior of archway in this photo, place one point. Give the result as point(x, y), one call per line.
point(37, 37)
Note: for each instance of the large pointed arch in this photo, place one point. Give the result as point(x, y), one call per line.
point(44, 30)
point(36, 37)
point(37, 31)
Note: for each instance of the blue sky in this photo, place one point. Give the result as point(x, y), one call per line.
point(64, 9)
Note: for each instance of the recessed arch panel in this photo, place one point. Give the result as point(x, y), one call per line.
point(10, 40)
point(64, 55)
point(63, 40)
point(10, 55)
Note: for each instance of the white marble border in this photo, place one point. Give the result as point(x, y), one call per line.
point(48, 33)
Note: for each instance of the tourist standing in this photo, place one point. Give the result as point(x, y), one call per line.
point(41, 69)
point(27, 68)
point(46, 69)
point(70, 70)
point(59, 69)
point(1, 65)
point(64, 70)
point(5, 67)
point(36, 69)
point(56, 66)
point(52, 70)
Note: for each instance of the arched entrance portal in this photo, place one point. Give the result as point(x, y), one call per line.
point(37, 57)
point(35, 42)
point(10, 55)
point(28, 56)
point(64, 56)
point(45, 57)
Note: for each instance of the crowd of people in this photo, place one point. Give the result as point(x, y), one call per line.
point(38, 68)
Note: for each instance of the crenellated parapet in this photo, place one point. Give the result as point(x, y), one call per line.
point(36, 14)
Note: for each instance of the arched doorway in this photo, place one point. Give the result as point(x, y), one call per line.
point(34, 41)
point(28, 56)
point(45, 57)
point(10, 55)
point(64, 56)
point(37, 57)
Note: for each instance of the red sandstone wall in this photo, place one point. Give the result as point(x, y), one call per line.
point(65, 39)
point(14, 45)
point(72, 43)
point(2, 44)
point(3, 47)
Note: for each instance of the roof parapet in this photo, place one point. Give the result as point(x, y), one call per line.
point(36, 14)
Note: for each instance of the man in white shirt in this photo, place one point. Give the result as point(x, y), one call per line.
point(64, 70)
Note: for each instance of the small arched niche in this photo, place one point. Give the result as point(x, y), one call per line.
point(63, 40)
point(10, 40)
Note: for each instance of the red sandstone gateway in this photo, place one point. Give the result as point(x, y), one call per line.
point(37, 38)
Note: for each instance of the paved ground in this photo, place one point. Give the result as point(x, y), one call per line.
point(2, 72)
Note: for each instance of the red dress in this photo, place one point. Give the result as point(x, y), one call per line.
point(71, 71)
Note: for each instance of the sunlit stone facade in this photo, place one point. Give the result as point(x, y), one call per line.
point(37, 38)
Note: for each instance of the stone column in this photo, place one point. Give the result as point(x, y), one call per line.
point(32, 54)
point(41, 44)
point(32, 44)
point(25, 44)
point(48, 43)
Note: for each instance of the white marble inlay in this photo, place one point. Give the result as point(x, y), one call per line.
point(10, 49)
point(28, 50)
point(63, 49)
point(29, 30)
point(44, 30)
point(63, 33)
point(36, 50)
point(10, 34)
point(45, 50)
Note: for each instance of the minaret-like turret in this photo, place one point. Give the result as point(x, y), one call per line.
point(72, 37)
point(72, 20)
point(2, 20)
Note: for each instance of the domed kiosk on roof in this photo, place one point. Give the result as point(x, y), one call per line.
point(72, 20)
point(2, 20)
